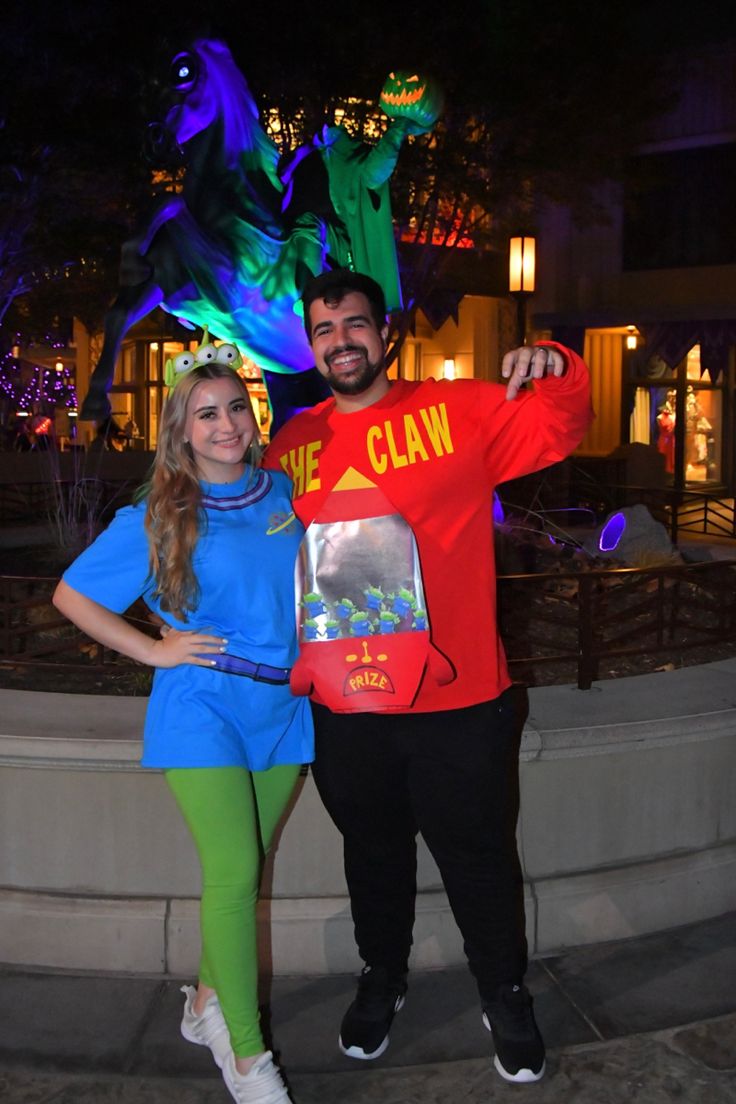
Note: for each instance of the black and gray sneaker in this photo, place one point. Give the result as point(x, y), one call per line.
point(519, 1046)
point(365, 1025)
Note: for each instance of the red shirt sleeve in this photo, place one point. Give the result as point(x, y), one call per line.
point(541, 425)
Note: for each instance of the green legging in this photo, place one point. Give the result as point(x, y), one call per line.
point(232, 814)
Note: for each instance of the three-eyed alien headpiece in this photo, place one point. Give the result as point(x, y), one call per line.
point(179, 366)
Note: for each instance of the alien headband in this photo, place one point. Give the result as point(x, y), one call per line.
point(179, 366)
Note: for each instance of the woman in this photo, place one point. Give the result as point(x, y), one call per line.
point(211, 547)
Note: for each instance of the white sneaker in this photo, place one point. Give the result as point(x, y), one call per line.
point(262, 1083)
point(208, 1029)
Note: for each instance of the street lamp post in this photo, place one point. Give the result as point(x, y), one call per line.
point(522, 271)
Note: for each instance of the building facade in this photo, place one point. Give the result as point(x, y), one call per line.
point(650, 295)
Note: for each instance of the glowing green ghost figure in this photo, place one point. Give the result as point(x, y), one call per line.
point(358, 234)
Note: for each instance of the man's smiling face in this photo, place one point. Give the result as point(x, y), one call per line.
point(347, 345)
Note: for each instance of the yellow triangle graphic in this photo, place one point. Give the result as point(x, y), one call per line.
point(352, 480)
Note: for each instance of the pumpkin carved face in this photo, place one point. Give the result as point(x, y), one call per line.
point(413, 97)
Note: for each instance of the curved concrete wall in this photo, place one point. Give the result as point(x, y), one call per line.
point(628, 825)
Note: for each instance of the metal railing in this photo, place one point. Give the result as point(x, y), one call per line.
point(580, 619)
point(34, 634)
point(575, 620)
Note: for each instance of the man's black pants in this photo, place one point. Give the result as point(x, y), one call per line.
point(453, 776)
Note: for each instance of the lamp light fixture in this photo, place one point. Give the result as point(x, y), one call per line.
point(522, 264)
point(522, 277)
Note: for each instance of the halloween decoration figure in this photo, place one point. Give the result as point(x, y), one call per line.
point(237, 245)
point(416, 99)
point(337, 188)
point(666, 432)
point(215, 253)
point(369, 657)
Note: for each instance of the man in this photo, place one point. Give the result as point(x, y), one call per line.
point(445, 766)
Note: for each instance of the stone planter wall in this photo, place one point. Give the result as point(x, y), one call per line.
point(628, 825)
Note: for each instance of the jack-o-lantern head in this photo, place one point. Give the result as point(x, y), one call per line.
point(413, 97)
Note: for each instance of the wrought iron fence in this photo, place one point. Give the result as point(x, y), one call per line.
point(581, 619)
point(34, 634)
point(570, 621)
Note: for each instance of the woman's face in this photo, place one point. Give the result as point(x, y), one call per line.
point(219, 427)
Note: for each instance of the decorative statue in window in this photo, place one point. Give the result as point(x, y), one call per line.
point(698, 432)
point(666, 434)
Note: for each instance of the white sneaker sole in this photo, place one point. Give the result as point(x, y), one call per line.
point(522, 1076)
point(358, 1052)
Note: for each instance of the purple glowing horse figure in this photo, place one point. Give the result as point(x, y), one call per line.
point(217, 254)
point(233, 251)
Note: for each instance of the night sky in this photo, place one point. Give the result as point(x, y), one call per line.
point(563, 87)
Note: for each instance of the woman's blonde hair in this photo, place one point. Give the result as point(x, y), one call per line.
point(174, 518)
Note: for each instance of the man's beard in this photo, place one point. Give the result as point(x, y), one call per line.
point(358, 380)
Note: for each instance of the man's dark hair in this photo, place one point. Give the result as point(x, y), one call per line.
point(333, 286)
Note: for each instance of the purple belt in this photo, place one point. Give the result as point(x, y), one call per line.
point(259, 672)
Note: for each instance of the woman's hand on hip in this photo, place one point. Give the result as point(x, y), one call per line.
point(176, 647)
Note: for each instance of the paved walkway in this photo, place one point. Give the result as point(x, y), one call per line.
point(644, 1021)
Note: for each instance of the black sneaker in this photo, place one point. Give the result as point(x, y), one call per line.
point(519, 1046)
point(364, 1030)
